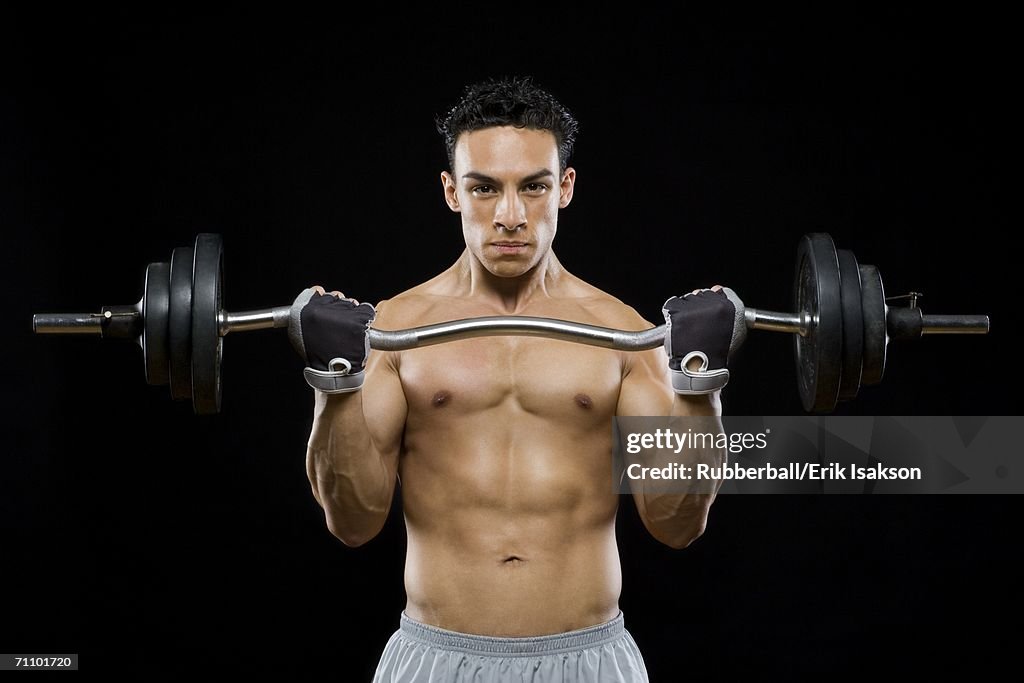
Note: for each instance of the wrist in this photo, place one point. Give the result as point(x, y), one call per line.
point(335, 381)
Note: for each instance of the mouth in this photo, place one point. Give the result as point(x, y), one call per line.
point(507, 247)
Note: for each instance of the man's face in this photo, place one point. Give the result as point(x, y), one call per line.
point(507, 188)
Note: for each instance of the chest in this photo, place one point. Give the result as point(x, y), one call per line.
point(539, 376)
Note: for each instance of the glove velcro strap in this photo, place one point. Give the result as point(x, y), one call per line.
point(697, 382)
point(340, 381)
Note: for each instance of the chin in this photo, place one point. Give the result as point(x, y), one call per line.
point(508, 269)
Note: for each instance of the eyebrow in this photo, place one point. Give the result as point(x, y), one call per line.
point(543, 173)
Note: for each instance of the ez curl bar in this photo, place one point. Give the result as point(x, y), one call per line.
point(842, 325)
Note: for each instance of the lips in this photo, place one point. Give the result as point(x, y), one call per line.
point(509, 248)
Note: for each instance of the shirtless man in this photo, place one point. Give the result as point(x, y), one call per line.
point(502, 444)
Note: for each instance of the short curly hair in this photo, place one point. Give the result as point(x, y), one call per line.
point(510, 101)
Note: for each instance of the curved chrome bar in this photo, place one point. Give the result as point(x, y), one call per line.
point(522, 326)
point(498, 326)
point(581, 333)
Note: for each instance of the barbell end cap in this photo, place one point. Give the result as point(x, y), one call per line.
point(67, 323)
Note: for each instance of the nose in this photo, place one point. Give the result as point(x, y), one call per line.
point(510, 213)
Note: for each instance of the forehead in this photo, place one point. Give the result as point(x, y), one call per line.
point(506, 150)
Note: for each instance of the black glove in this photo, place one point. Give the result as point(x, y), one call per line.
point(708, 325)
point(330, 333)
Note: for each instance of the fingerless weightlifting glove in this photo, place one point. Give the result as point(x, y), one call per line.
point(330, 333)
point(708, 325)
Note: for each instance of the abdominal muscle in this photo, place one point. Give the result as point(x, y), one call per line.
point(511, 522)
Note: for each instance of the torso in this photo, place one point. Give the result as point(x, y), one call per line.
point(505, 471)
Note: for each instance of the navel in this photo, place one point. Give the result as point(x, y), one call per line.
point(583, 401)
point(441, 399)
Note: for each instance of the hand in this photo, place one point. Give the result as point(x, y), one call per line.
point(704, 327)
point(330, 333)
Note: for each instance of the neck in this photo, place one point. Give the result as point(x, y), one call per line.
point(509, 294)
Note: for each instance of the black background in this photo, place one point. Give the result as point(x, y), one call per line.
point(144, 537)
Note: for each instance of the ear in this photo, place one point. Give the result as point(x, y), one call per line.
point(566, 186)
point(451, 196)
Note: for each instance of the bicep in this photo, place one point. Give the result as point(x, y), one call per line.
point(384, 405)
point(646, 388)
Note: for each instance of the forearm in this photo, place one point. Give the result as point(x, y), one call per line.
point(676, 512)
point(351, 479)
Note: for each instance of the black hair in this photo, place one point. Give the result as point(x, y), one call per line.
point(511, 101)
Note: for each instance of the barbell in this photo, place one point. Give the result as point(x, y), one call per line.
point(842, 324)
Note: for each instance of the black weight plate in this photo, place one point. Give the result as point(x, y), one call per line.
point(179, 324)
point(876, 336)
point(155, 301)
point(853, 325)
point(207, 293)
point(816, 296)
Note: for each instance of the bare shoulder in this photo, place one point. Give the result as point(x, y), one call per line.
point(609, 310)
point(410, 308)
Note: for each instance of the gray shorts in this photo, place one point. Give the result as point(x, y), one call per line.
point(418, 653)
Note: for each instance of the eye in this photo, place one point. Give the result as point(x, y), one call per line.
point(535, 187)
point(482, 189)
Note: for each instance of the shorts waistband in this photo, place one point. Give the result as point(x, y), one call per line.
point(591, 636)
